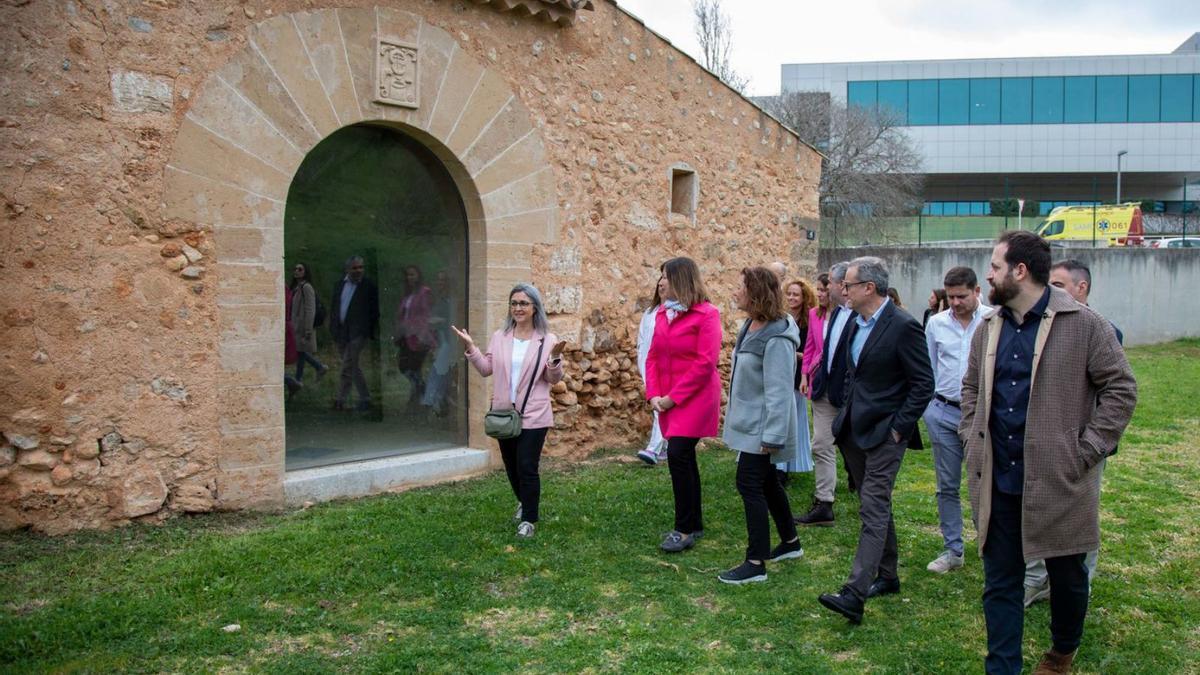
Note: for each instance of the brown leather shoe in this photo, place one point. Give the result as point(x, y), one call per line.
point(1053, 662)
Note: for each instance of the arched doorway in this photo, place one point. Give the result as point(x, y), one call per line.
point(377, 221)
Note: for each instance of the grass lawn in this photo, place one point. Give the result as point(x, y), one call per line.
point(433, 579)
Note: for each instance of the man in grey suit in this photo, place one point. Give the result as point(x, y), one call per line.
point(888, 385)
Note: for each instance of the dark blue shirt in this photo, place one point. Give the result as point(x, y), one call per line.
point(1010, 395)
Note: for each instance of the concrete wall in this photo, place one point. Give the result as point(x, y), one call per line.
point(1150, 295)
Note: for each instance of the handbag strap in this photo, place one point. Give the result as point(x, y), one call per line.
point(533, 375)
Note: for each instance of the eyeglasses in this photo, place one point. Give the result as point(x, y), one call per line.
point(848, 284)
point(520, 303)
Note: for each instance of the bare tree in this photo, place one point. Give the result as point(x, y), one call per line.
point(715, 33)
point(872, 170)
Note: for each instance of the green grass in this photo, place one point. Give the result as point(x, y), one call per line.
point(433, 579)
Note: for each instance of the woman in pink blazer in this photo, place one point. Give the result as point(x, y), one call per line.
point(814, 345)
point(684, 388)
point(515, 348)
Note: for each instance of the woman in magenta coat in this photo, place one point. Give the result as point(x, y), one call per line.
point(684, 388)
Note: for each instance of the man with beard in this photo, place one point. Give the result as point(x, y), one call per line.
point(1045, 398)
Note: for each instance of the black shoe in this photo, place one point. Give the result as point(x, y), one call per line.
point(883, 586)
point(845, 603)
point(745, 573)
point(821, 515)
point(786, 551)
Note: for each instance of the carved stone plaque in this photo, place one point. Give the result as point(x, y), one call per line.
point(396, 81)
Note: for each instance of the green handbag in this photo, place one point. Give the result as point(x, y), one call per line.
point(505, 424)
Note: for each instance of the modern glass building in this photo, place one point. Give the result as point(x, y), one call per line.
point(1043, 129)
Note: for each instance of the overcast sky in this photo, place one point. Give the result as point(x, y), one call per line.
point(768, 33)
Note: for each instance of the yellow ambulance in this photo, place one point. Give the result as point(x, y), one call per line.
point(1107, 224)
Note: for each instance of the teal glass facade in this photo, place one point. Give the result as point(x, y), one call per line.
point(1033, 100)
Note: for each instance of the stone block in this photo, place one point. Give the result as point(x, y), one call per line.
point(226, 112)
point(248, 408)
point(280, 44)
point(207, 202)
point(322, 38)
point(514, 162)
point(259, 487)
point(358, 35)
point(534, 192)
point(462, 77)
point(135, 92)
point(254, 447)
point(560, 299)
point(510, 125)
point(252, 324)
point(201, 152)
point(436, 50)
point(490, 97)
point(252, 76)
point(240, 284)
point(251, 244)
point(142, 492)
point(251, 363)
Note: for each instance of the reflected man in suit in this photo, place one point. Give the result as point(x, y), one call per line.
point(354, 321)
point(888, 385)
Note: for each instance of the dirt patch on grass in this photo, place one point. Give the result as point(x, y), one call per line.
point(512, 623)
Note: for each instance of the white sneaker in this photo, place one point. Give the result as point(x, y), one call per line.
point(1035, 593)
point(945, 562)
point(525, 530)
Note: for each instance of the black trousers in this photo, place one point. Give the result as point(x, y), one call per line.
point(521, 458)
point(1004, 590)
point(763, 496)
point(685, 482)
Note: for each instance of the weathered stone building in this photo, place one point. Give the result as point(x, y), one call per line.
point(152, 151)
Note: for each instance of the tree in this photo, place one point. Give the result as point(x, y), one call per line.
point(715, 34)
point(872, 169)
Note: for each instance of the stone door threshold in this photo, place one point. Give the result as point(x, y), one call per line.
point(358, 479)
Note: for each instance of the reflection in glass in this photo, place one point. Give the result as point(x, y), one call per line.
point(375, 216)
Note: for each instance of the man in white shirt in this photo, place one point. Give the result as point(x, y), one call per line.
point(948, 337)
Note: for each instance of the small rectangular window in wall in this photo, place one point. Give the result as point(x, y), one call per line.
point(1112, 98)
point(1047, 100)
point(985, 100)
point(1079, 94)
point(1143, 98)
point(1176, 98)
point(893, 101)
point(861, 94)
point(922, 102)
point(1016, 100)
point(683, 192)
point(954, 102)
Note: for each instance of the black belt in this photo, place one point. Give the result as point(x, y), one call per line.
point(947, 401)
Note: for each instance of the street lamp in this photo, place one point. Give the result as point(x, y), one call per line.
point(1120, 154)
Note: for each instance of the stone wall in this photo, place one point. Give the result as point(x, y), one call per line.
point(141, 323)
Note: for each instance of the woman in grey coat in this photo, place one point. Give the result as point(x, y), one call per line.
point(761, 422)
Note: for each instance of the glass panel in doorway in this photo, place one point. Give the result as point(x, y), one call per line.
point(376, 227)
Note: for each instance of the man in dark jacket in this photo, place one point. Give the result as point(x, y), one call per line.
point(828, 380)
point(354, 309)
point(888, 385)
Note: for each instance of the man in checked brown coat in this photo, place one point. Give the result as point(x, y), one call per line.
point(1046, 396)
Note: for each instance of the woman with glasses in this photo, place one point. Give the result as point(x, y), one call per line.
point(761, 422)
point(525, 359)
point(683, 387)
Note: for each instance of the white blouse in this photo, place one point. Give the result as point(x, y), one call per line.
point(518, 360)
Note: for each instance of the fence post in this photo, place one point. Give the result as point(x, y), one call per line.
point(1183, 211)
point(921, 223)
point(1095, 201)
